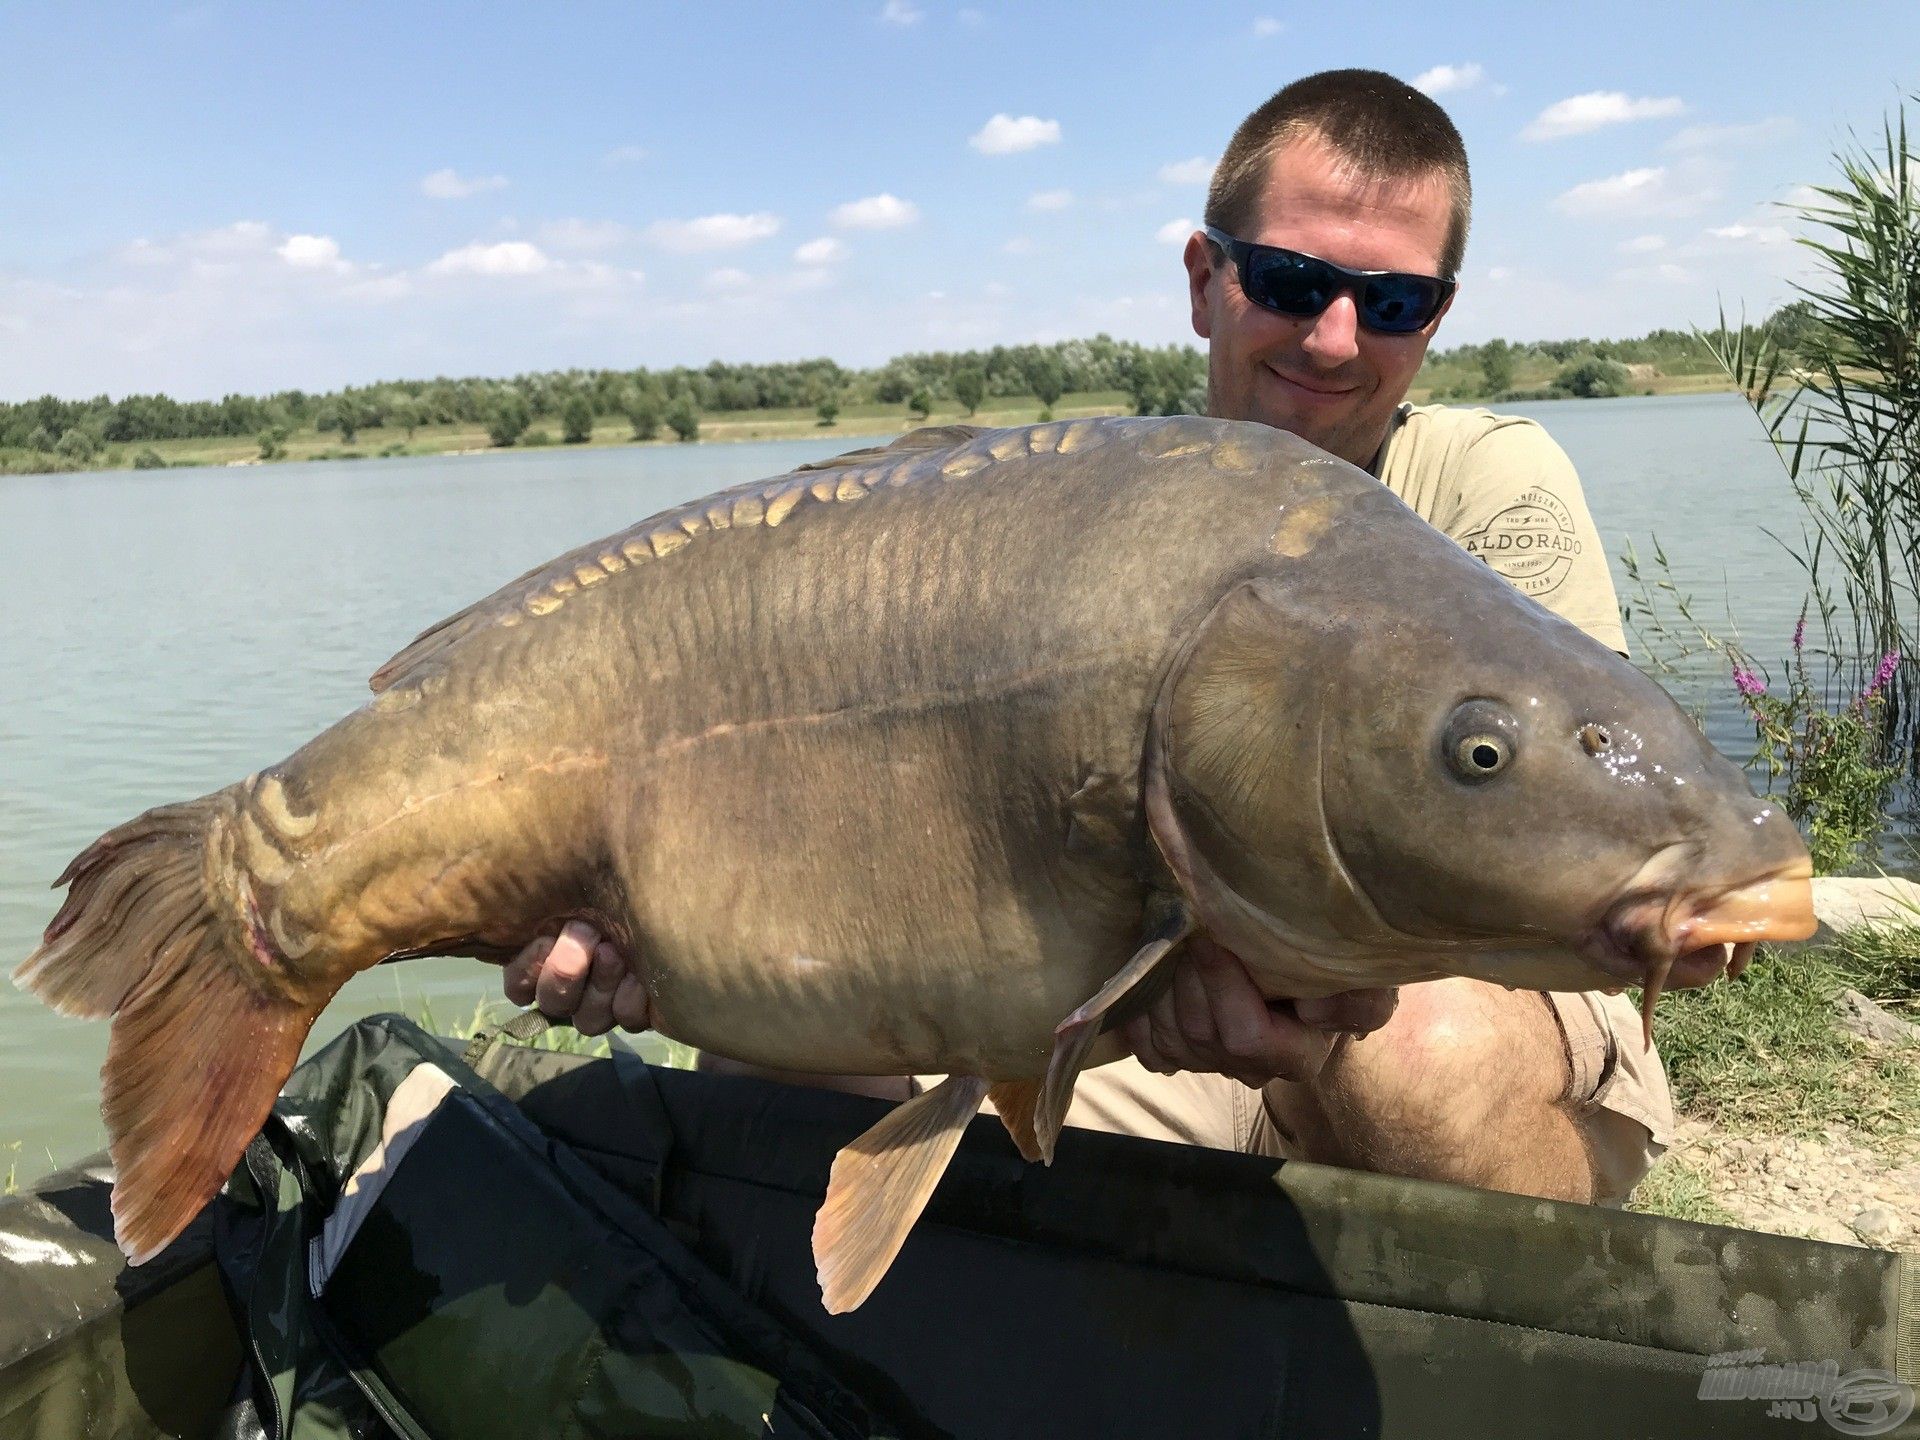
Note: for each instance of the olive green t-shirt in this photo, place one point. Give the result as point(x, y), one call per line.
point(1500, 486)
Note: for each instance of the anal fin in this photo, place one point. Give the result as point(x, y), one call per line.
point(879, 1185)
point(1074, 1036)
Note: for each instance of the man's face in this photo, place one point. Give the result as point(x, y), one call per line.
point(1326, 379)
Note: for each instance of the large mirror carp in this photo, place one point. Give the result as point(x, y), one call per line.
point(925, 759)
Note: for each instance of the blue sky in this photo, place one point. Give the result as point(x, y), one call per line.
point(223, 197)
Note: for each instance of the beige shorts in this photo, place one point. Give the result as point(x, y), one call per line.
point(1617, 1087)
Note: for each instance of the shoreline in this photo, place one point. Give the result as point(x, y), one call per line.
point(740, 427)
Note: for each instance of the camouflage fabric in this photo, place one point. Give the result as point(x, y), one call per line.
point(534, 1268)
point(1140, 1288)
point(89, 1347)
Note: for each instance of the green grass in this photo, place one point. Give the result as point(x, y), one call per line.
point(1883, 963)
point(1675, 1189)
point(561, 1038)
point(1763, 1053)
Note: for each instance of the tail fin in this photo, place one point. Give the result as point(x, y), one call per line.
point(203, 1035)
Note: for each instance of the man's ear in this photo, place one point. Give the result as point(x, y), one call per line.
point(1199, 257)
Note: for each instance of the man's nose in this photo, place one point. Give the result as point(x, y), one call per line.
point(1334, 338)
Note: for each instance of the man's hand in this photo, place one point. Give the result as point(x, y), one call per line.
point(579, 979)
point(1211, 1018)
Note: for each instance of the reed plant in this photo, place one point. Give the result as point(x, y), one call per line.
point(1841, 405)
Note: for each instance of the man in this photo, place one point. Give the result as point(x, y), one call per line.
point(1464, 1081)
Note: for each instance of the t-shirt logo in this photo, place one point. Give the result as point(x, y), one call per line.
point(1532, 542)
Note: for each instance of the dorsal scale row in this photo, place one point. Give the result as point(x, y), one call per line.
point(920, 454)
point(770, 503)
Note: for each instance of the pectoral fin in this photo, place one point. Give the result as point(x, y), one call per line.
point(879, 1185)
point(1074, 1036)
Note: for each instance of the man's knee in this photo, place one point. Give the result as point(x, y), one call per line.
point(1467, 1083)
point(1459, 1047)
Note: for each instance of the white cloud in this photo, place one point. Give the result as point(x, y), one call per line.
point(1666, 272)
point(875, 212)
point(1580, 114)
point(712, 232)
point(232, 249)
point(507, 257)
point(1718, 137)
point(584, 235)
point(251, 308)
point(1050, 200)
point(1174, 232)
point(1642, 244)
point(312, 252)
point(969, 17)
point(1197, 171)
point(241, 240)
point(1649, 190)
point(1018, 245)
point(728, 278)
point(1006, 135)
point(900, 12)
point(451, 185)
point(1265, 27)
point(824, 251)
point(1443, 79)
point(1498, 273)
point(624, 155)
point(1751, 234)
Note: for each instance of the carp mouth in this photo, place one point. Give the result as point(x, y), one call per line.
point(1689, 937)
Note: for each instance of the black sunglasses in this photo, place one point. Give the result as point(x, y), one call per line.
point(1290, 283)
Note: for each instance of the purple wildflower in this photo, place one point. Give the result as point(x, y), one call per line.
point(1799, 634)
point(1747, 683)
point(1889, 663)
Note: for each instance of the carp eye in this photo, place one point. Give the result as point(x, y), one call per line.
point(1594, 739)
point(1480, 740)
point(1479, 756)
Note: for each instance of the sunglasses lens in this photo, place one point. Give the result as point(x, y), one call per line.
point(1292, 284)
point(1399, 304)
point(1302, 286)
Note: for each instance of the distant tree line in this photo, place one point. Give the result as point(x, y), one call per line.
point(1159, 381)
point(1166, 380)
point(1550, 369)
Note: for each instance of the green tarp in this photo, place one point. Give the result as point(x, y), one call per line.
point(628, 1242)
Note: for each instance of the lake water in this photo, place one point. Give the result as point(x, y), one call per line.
point(165, 633)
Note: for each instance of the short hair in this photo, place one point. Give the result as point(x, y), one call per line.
point(1383, 127)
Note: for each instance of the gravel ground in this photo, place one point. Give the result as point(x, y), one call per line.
point(1831, 1187)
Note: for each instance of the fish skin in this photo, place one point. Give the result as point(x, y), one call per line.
point(857, 776)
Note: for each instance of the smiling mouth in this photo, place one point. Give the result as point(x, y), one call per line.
point(1324, 392)
point(1690, 938)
